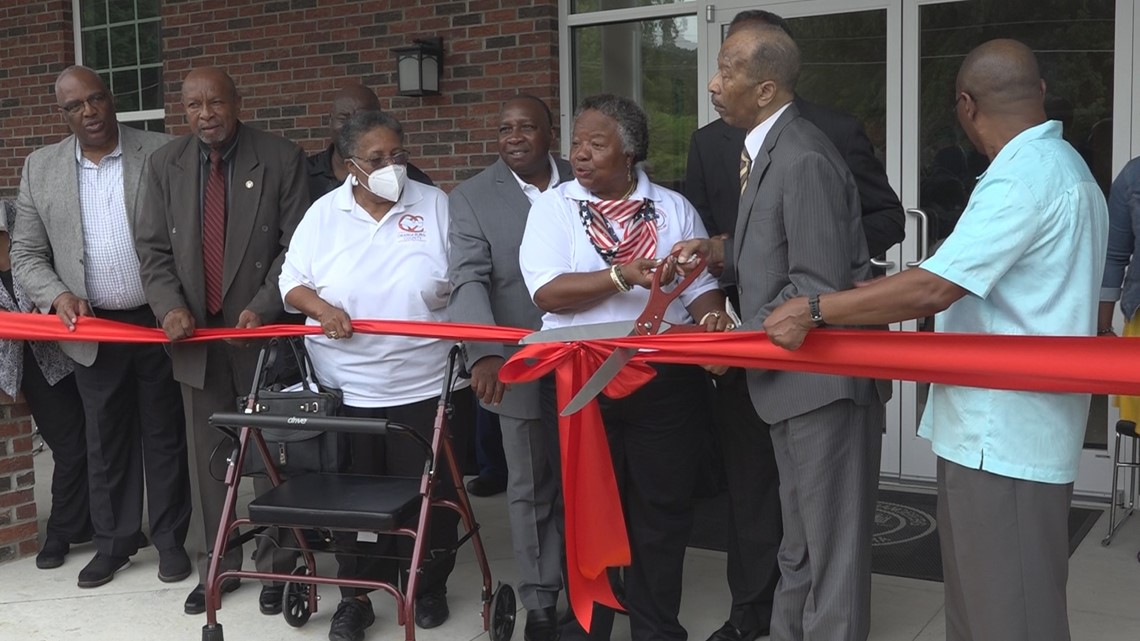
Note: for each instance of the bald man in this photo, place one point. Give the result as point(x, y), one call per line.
point(1026, 258)
point(217, 266)
point(73, 253)
point(326, 169)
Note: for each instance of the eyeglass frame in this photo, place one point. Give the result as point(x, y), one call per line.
point(385, 161)
point(958, 99)
point(96, 100)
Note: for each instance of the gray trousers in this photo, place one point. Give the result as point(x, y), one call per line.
point(829, 473)
point(229, 373)
point(1005, 555)
point(532, 495)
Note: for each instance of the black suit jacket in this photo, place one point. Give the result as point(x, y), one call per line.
point(713, 169)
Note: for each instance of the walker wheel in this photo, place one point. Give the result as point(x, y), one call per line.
point(503, 612)
point(212, 632)
point(295, 600)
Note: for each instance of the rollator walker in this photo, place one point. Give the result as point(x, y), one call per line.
point(311, 506)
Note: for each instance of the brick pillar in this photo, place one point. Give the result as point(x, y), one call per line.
point(17, 480)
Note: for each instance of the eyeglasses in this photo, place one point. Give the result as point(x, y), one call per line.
point(961, 95)
point(398, 158)
point(96, 100)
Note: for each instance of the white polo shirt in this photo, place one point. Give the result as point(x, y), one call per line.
point(555, 243)
point(395, 269)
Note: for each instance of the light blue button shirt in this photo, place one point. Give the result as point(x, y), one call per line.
point(1030, 251)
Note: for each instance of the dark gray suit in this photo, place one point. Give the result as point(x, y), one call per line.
point(267, 196)
point(488, 217)
point(798, 232)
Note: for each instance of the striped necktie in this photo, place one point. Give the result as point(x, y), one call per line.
point(745, 169)
point(214, 233)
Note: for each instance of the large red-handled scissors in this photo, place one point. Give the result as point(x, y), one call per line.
point(651, 321)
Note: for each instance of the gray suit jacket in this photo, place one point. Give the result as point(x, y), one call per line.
point(798, 232)
point(47, 242)
point(268, 196)
point(488, 217)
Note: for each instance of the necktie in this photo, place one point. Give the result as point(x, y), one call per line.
point(745, 169)
point(214, 233)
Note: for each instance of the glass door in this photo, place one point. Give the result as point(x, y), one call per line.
point(850, 52)
point(893, 63)
point(1074, 43)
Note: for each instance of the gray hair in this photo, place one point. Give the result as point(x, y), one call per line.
point(633, 128)
point(775, 56)
point(361, 123)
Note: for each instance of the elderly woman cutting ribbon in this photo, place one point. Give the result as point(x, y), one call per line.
point(588, 256)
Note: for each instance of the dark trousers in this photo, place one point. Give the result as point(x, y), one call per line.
point(489, 444)
point(1005, 548)
point(652, 435)
point(399, 456)
point(229, 374)
point(754, 524)
point(58, 411)
point(134, 429)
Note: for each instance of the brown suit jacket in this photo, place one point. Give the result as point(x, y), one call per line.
point(267, 198)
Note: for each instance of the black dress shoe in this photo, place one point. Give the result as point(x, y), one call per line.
point(541, 625)
point(101, 569)
point(486, 486)
point(196, 602)
point(729, 632)
point(352, 618)
point(432, 610)
point(52, 554)
point(173, 565)
point(269, 602)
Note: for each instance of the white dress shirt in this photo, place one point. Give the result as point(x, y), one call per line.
point(530, 191)
point(110, 262)
point(394, 269)
point(555, 243)
point(755, 138)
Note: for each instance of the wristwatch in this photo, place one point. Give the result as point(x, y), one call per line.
point(813, 309)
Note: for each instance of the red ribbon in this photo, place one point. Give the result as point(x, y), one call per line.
point(595, 526)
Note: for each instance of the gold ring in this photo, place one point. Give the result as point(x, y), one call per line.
point(333, 334)
point(730, 326)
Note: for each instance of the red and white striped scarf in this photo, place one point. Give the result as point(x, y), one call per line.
point(636, 217)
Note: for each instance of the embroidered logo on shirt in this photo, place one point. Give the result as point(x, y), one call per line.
point(411, 228)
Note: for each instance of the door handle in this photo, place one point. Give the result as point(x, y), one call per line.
point(923, 240)
point(885, 264)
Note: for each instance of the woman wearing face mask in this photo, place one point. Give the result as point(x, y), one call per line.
point(376, 248)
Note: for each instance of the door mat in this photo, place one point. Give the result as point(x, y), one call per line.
point(905, 541)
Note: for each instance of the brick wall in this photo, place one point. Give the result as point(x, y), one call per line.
point(17, 496)
point(38, 43)
point(289, 56)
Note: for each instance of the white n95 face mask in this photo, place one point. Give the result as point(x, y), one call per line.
point(387, 182)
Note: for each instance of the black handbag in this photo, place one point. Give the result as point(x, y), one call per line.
point(289, 387)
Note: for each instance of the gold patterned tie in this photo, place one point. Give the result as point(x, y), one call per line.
point(745, 169)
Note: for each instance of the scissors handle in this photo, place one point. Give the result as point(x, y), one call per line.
point(650, 320)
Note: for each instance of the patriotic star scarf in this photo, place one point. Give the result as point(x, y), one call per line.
point(638, 218)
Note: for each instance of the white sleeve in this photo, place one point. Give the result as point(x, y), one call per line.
point(692, 227)
point(297, 270)
point(545, 253)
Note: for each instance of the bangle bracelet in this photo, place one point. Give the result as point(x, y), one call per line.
point(1107, 331)
point(714, 313)
point(618, 279)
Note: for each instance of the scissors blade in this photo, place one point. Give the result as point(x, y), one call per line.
point(602, 377)
point(580, 333)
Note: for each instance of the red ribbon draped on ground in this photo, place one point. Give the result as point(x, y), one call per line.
point(595, 528)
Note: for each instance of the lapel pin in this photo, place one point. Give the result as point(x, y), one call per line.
point(249, 184)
